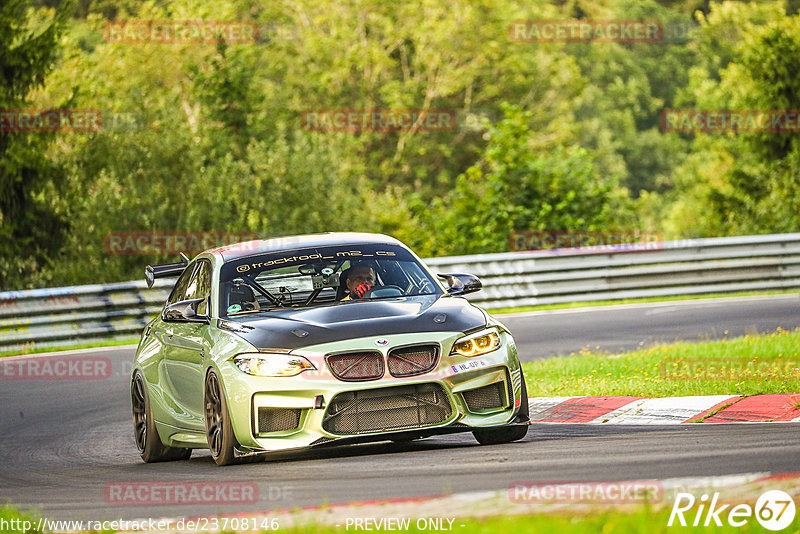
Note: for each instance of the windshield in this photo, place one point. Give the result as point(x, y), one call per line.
point(333, 275)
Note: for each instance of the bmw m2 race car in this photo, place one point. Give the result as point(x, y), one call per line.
point(316, 340)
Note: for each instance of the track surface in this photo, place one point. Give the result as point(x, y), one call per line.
point(61, 442)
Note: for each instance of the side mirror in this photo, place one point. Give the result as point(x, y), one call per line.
point(184, 311)
point(461, 284)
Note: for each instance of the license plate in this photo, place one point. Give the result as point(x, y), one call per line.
point(469, 366)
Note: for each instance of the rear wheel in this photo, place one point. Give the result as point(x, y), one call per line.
point(219, 430)
point(148, 442)
point(495, 436)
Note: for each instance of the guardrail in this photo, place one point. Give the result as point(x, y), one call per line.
point(68, 315)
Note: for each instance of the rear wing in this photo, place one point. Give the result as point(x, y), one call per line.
point(166, 270)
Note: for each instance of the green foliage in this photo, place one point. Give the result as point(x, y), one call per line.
point(628, 85)
point(30, 225)
point(745, 183)
point(520, 187)
point(214, 138)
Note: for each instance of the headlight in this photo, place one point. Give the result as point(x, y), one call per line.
point(268, 364)
point(477, 344)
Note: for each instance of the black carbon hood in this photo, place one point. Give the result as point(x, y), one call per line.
point(293, 328)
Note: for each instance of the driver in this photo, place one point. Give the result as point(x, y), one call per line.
point(360, 279)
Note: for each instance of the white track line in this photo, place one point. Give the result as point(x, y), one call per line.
point(611, 307)
point(661, 411)
point(73, 352)
point(541, 404)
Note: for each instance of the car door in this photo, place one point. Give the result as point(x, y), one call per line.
point(186, 351)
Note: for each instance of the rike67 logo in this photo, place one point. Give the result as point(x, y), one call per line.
point(774, 510)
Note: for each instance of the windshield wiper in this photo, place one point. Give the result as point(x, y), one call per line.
point(243, 312)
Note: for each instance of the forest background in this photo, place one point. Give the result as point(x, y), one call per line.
point(548, 136)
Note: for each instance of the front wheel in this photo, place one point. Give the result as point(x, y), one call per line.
point(219, 430)
point(495, 436)
point(149, 444)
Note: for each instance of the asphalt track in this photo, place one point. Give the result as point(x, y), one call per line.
point(62, 442)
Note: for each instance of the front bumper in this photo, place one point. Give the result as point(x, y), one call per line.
point(277, 414)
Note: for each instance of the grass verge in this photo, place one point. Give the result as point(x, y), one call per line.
point(749, 365)
point(644, 300)
point(12, 520)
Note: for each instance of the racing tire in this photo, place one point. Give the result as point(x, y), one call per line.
point(219, 431)
point(148, 442)
point(496, 436)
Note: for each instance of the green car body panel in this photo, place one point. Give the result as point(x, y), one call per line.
point(175, 357)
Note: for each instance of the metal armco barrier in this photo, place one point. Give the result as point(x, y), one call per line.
point(60, 316)
point(68, 315)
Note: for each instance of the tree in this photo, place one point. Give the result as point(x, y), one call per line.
point(518, 187)
point(30, 227)
point(745, 182)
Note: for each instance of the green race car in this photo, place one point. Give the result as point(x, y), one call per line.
point(314, 340)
